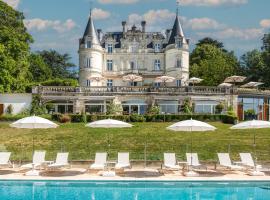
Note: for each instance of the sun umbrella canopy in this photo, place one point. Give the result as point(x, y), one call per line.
point(96, 78)
point(33, 122)
point(109, 123)
point(254, 124)
point(132, 78)
point(224, 85)
point(191, 125)
point(195, 80)
point(252, 85)
point(235, 79)
point(164, 79)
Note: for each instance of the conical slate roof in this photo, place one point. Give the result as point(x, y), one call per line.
point(176, 31)
point(91, 32)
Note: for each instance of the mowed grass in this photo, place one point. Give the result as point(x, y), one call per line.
point(151, 138)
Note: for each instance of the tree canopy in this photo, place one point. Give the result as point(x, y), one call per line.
point(212, 63)
point(14, 50)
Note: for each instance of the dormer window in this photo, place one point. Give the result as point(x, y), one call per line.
point(110, 48)
point(179, 44)
point(157, 47)
point(88, 44)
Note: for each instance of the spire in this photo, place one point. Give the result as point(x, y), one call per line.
point(90, 30)
point(177, 30)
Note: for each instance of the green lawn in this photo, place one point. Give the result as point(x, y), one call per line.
point(82, 142)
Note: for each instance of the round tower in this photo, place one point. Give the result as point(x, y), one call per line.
point(177, 55)
point(90, 56)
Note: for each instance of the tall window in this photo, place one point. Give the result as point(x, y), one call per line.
point(179, 43)
point(110, 48)
point(158, 84)
point(178, 83)
point(88, 63)
point(157, 66)
point(88, 83)
point(109, 83)
point(133, 65)
point(178, 63)
point(109, 65)
point(88, 44)
point(157, 47)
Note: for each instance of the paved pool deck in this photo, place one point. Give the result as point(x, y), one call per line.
point(77, 173)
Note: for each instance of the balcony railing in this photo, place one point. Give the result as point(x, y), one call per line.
point(128, 90)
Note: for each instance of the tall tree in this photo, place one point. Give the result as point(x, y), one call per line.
point(266, 58)
point(212, 64)
point(211, 41)
point(38, 71)
point(14, 50)
point(59, 64)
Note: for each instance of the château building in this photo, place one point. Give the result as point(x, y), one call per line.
point(106, 58)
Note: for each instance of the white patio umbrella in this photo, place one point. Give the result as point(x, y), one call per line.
point(253, 124)
point(195, 80)
point(235, 79)
point(33, 122)
point(191, 126)
point(252, 85)
point(133, 78)
point(225, 85)
point(109, 123)
point(164, 79)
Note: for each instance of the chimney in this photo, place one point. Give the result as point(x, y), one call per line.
point(124, 23)
point(143, 23)
point(99, 31)
point(168, 31)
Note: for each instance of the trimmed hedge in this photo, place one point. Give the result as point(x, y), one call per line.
point(150, 118)
point(11, 118)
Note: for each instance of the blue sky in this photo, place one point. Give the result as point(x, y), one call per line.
point(58, 24)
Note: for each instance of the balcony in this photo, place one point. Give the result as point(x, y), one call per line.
point(123, 90)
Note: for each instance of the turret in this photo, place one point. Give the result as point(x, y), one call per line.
point(90, 54)
point(177, 53)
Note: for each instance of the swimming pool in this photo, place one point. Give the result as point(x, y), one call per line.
point(123, 190)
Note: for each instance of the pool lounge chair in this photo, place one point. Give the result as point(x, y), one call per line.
point(61, 161)
point(100, 161)
point(247, 160)
point(194, 163)
point(38, 160)
point(123, 161)
point(225, 161)
point(4, 159)
point(170, 162)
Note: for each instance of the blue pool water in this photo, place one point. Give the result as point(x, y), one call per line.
point(83, 190)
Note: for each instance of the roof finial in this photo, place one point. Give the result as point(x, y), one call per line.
point(177, 7)
point(91, 6)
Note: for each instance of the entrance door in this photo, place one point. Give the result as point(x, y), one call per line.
point(1, 109)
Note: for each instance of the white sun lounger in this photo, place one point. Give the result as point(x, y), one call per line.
point(225, 161)
point(61, 161)
point(38, 160)
point(170, 162)
point(4, 159)
point(195, 163)
point(100, 161)
point(247, 160)
point(123, 161)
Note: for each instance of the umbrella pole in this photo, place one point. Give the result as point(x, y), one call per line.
point(191, 149)
point(254, 150)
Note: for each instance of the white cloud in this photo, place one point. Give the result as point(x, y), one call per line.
point(212, 2)
point(118, 1)
point(203, 24)
point(265, 23)
point(100, 14)
point(41, 24)
point(12, 3)
point(236, 33)
point(152, 17)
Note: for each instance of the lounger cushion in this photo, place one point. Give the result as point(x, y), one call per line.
point(97, 166)
point(121, 166)
point(172, 166)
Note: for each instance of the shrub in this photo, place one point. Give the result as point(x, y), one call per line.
point(114, 109)
point(65, 119)
point(219, 108)
point(228, 119)
point(137, 118)
point(36, 107)
point(154, 110)
point(9, 109)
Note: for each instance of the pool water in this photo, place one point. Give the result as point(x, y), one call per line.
point(104, 190)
